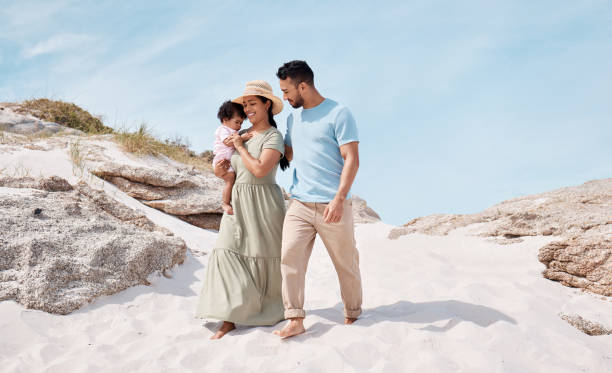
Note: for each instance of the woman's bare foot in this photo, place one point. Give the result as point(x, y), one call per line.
point(227, 208)
point(224, 329)
point(293, 328)
point(349, 320)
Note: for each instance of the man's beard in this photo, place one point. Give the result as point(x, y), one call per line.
point(298, 102)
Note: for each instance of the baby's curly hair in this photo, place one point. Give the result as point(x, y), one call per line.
point(228, 109)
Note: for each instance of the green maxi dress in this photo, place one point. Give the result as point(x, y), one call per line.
point(243, 278)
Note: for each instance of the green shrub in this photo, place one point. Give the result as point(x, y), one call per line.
point(66, 114)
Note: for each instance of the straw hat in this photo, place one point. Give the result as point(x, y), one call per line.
point(261, 88)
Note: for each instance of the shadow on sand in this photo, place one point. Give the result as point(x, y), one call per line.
point(426, 313)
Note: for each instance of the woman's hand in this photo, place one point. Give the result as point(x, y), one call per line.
point(221, 167)
point(236, 140)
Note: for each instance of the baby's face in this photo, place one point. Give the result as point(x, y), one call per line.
point(235, 123)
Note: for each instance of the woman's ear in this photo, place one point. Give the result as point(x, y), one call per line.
point(268, 105)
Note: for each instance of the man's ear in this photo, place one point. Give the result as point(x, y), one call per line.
point(301, 87)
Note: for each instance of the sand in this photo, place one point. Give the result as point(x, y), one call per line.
point(452, 303)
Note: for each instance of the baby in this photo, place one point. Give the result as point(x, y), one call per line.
point(231, 116)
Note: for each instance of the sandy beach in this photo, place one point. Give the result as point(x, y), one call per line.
point(445, 304)
point(454, 303)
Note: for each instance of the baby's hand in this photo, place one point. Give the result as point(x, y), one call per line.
point(247, 136)
point(228, 142)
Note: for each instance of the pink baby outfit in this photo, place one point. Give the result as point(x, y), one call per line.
point(220, 150)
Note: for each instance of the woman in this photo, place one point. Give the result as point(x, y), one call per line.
point(243, 280)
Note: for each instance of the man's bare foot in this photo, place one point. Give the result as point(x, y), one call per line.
point(293, 328)
point(227, 208)
point(349, 320)
point(224, 329)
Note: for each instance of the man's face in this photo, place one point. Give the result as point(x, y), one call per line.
point(291, 92)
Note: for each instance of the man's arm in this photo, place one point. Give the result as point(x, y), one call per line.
point(350, 154)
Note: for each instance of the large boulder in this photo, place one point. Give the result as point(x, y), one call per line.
point(581, 216)
point(566, 211)
point(192, 196)
point(580, 262)
point(362, 213)
point(11, 120)
point(62, 246)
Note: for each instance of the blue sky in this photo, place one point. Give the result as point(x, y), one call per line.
point(460, 105)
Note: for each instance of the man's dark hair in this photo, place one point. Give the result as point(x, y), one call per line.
point(228, 109)
point(298, 71)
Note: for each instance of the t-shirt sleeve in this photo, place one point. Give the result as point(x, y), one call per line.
point(345, 127)
point(274, 141)
point(288, 132)
point(222, 132)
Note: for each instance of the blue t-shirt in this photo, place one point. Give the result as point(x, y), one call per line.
point(316, 135)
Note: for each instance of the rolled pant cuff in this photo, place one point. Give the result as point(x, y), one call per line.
point(293, 313)
point(352, 314)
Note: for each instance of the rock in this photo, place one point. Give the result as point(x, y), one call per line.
point(581, 262)
point(206, 221)
point(25, 124)
point(586, 326)
point(193, 197)
point(362, 213)
point(50, 184)
point(436, 224)
point(158, 176)
point(581, 215)
point(80, 245)
point(567, 211)
point(139, 190)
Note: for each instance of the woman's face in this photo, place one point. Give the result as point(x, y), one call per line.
point(255, 110)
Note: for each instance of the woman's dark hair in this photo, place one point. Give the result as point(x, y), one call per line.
point(284, 163)
point(228, 109)
point(298, 71)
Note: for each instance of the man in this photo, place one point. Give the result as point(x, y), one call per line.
point(323, 136)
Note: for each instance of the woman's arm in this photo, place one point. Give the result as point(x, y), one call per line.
point(261, 166)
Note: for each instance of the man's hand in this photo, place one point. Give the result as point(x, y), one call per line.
point(221, 167)
point(333, 211)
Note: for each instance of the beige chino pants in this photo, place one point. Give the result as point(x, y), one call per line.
point(302, 223)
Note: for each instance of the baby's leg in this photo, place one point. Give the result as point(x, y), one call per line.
point(229, 178)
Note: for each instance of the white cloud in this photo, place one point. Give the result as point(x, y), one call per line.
point(57, 43)
point(26, 17)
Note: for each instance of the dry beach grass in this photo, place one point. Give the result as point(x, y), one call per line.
point(140, 141)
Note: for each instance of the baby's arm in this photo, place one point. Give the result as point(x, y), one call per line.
point(225, 136)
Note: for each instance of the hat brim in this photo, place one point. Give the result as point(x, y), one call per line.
point(277, 103)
